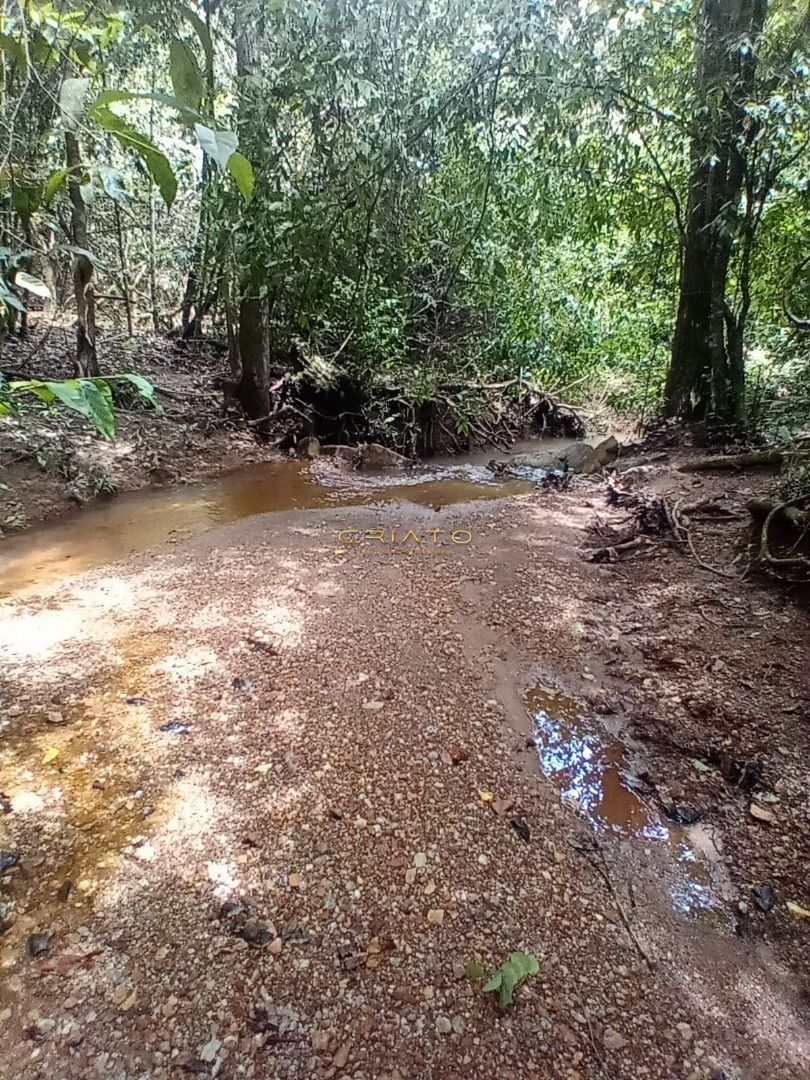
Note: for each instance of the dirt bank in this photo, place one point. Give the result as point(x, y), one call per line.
point(297, 792)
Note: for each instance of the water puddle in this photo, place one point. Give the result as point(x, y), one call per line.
point(131, 523)
point(592, 769)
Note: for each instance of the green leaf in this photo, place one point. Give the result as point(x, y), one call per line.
point(144, 388)
point(474, 971)
point(110, 97)
point(157, 163)
point(700, 766)
point(32, 284)
point(242, 171)
point(71, 101)
point(185, 74)
point(52, 185)
point(99, 398)
point(219, 145)
point(10, 300)
point(203, 35)
point(509, 976)
point(26, 200)
point(15, 51)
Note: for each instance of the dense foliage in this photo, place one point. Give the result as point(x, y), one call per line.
point(409, 197)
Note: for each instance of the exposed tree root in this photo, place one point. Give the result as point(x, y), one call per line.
point(754, 459)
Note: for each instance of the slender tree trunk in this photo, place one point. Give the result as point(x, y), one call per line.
point(706, 376)
point(153, 300)
point(86, 363)
point(122, 258)
point(254, 350)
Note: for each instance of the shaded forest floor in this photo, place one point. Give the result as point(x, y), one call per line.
point(297, 792)
point(51, 460)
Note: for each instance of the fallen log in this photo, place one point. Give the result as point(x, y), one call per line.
point(753, 459)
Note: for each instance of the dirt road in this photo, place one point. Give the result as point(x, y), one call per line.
point(272, 792)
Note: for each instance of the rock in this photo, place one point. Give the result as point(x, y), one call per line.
point(458, 755)
point(683, 815)
point(764, 897)
point(613, 1040)
point(521, 828)
point(55, 717)
point(577, 458)
point(45, 1025)
point(685, 1032)
point(436, 916)
point(210, 1050)
point(295, 881)
point(604, 453)
point(346, 455)
point(320, 1041)
point(420, 859)
point(38, 944)
point(8, 859)
point(459, 1024)
point(374, 456)
point(443, 1025)
point(308, 448)
point(342, 1056)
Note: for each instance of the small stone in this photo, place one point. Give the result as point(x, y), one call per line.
point(443, 1025)
point(342, 1056)
point(430, 888)
point(459, 1024)
point(210, 1050)
point(420, 859)
point(320, 1040)
point(295, 881)
point(55, 717)
point(685, 1031)
point(45, 1025)
point(436, 916)
point(38, 944)
point(483, 860)
point(614, 1040)
point(275, 946)
point(410, 875)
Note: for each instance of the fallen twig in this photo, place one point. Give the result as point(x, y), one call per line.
point(600, 865)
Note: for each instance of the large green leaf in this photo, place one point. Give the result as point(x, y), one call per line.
point(144, 388)
point(242, 171)
point(157, 163)
point(204, 36)
point(219, 145)
point(185, 73)
point(110, 97)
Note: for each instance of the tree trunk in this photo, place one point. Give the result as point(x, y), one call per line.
point(254, 385)
point(254, 351)
point(86, 363)
point(706, 376)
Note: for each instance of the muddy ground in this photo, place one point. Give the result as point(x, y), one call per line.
point(53, 460)
point(271, 792)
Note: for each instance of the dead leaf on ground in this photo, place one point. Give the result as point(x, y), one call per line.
point(797, 911)
point(51, 754)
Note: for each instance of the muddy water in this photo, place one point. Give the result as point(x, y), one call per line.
point(594, 774)
point(111, 529)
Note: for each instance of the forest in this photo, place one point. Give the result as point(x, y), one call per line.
point(404, 539)
point(400, 204)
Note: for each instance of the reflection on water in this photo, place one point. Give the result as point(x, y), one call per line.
point(592, 771)
point(110, 529)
